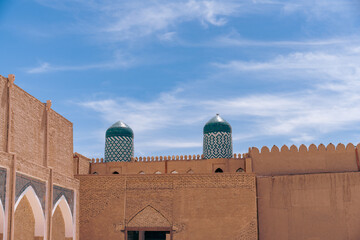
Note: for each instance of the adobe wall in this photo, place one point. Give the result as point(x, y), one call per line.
point(39, 147)
point(314, 159)
point(312, 206)
point(208, 206)
point(24, 221)
point(178, 164)
point(60, 144)
point(81, 164)
point(3, 112)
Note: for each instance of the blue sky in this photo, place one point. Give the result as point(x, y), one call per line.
point(280, 72)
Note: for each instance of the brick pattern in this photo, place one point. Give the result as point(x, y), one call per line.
point(28, 126)
point(217, 145)
point(3, 112)
point(3, 186)
point(67, 193)
point(60, 144)
point(149, 217)
point(110, 203)
point(23, 182)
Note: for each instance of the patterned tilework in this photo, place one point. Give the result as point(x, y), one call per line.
point(119, 149)
point(3, 186)
point(217, 145)
point(67, 193)
point(23, 182)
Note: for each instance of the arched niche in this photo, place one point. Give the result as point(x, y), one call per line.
point(36, 210)
point(219, 170)
point(240, 170)
point(63, 205)
point(2, 220)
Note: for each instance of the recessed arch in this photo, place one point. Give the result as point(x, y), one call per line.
point(115, 172)
point(2, 219)
point(95, 173)
point(240, 170)
point(66, 212)
point(36, 209)
point(141, 172)
point(174, 172)
point(190, 171)
point(157, 172)
point(219, 170)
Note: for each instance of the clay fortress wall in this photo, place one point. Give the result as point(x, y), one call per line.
point(49, 192)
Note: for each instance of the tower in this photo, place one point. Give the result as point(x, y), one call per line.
point(217, 139)
point(119, 143)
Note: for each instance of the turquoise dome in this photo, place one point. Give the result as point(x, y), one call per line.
point(217, 124)
point(119, 129)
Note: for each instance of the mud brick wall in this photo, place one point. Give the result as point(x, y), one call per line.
point(208, 206)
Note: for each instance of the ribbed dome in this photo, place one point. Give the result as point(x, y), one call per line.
point(217, 124)
point(119, 129)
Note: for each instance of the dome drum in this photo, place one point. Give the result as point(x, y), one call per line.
point(119, 143)
point(217, 139)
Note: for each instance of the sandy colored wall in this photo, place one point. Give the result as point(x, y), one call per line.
point(28, 126)
point(24, 221)
point(180, 166)
point(221, 206)
point(3, 112)
point(309, 207)
point(81, 164)
point(304, 160)
point(58, 226)
point(60, 144)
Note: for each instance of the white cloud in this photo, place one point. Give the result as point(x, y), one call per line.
point(330, 104)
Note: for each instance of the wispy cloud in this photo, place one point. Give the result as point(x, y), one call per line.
point(235, 40)
point(329, 104)
point(120, 61)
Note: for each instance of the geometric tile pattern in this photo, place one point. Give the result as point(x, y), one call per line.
point(217, 145)
point(67, 193)
point(119, 149)
point(23, 182)
point(3, 186)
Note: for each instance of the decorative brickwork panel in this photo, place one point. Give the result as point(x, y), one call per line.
point(67, 193)
point(218, 145)
point(3, 186)
point(149, 217)
point(23, 182)
point(119, 149)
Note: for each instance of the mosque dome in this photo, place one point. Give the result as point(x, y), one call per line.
point(217, 139)
point(217, 124)
point(119, 129)
point(119, 143)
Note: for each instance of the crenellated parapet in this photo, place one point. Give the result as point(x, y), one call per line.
point(169, 158)
point(303, 160)
point(303, 149)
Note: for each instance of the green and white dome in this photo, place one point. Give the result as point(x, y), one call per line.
point(217, 139)
point(119, 143)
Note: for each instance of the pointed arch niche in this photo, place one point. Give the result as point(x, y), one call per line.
point(29, 213)
point(62, 226)
point(2, 221)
